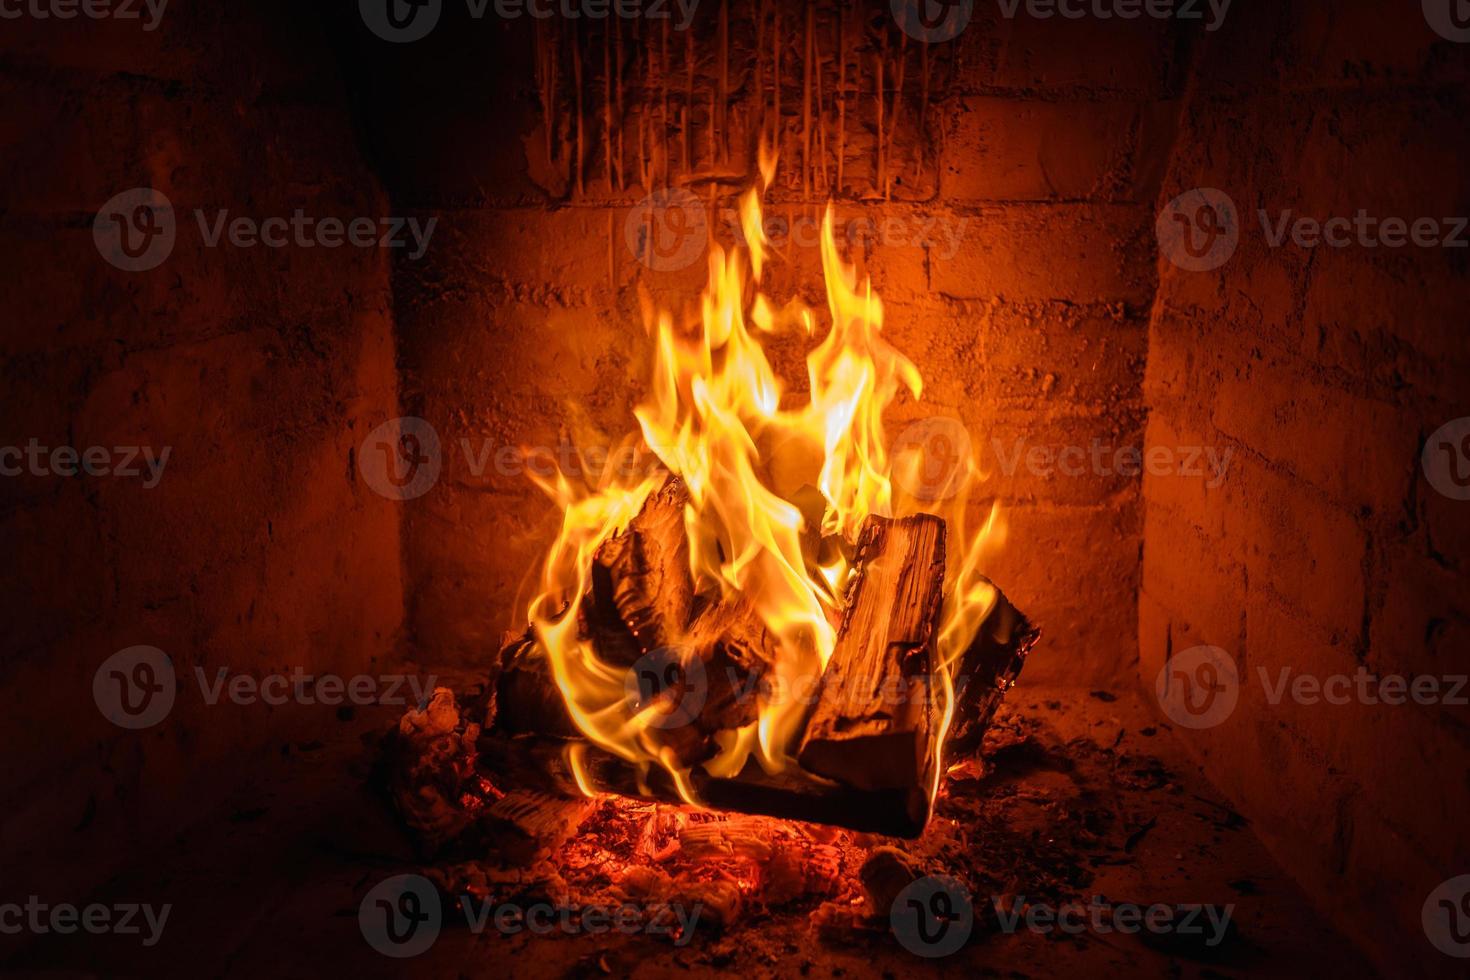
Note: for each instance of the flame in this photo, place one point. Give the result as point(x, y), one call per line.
point(718, 415)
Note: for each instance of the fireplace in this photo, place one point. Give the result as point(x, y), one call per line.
point(833, 487)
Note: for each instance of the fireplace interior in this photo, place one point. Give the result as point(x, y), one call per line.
point(834, 487)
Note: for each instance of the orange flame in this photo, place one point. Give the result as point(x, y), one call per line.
point(716, 416)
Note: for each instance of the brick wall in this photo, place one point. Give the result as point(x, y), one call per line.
point(1043, 151)
point(261, 370)
point(1322, 370)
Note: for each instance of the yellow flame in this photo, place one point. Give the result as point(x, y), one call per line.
point(717, 415)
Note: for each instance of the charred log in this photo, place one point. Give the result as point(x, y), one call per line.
point(986, 672)
point(874, 724)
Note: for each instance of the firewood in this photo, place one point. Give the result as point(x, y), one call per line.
point(541, 762)
point(873, 725)
point(641, 580)
point(527, 698)
point(986, 672)
point(887, 872)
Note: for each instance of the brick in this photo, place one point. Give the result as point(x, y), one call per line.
point(1065, 354)
point(1359, 43)
point(1364, 331)
point(1421, 622)
point(1004, 149)
point(1199, 580)
point(1299, 546)
point(1063, 458)
point(1195, 489)
point(1054, 54)
point(1086, 605)
point(567, 256)
point(1077, 253)
point(1361, 451)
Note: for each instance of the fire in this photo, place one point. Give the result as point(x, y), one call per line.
point(778, 490)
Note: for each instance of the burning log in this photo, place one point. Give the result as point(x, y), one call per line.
point(544, 763)
point(866, 756)
point(986, 672)
point(874, 723)
point(642, 590)
point(527, 699)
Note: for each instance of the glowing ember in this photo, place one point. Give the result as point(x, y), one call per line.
point(718, 417)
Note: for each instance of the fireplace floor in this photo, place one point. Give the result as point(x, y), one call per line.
point(1087, 794)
